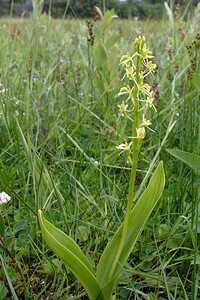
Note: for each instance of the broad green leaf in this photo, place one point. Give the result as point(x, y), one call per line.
point(107, 19)
point(111, 41)
point(70, 253)
point(138, 218)
point(190, 159)
point(100, 57)
point(113, 63)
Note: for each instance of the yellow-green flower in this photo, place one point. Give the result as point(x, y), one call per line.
point(149, 101)
point(141, 133)
point(126, 59)
point(127, 148)
point(124, 147)
point(125, 90)
point(145, 88)
point(123, 108)
point(145, 122)
point(138, 65)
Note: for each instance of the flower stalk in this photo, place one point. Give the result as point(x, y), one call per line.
point(137, 66)
point(101, 281)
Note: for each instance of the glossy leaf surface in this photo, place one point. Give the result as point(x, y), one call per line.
point(138, 218)
point(70, 253)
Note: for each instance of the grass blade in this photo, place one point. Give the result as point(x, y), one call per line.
point(9, 280)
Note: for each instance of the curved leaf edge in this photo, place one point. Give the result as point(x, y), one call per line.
point(157, 179)
point(192, 160)
point(79, 269)
point(67, 242)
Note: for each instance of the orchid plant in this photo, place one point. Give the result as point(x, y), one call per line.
point(101, 280)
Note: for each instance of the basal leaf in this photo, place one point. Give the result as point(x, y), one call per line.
point(138, 218)
point(190, 159)
point(70, 253)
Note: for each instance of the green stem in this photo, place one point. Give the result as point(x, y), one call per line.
point(136, 147)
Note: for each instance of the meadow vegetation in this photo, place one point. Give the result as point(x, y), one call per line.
point(60, 126)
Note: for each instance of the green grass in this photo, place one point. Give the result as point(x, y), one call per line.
point(58, 116)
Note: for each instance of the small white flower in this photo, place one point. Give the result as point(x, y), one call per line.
point(3, 91)
point(95, 162)
point(4, 198)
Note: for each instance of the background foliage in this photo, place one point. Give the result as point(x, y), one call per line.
point(84, 9)
point(59, 128)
